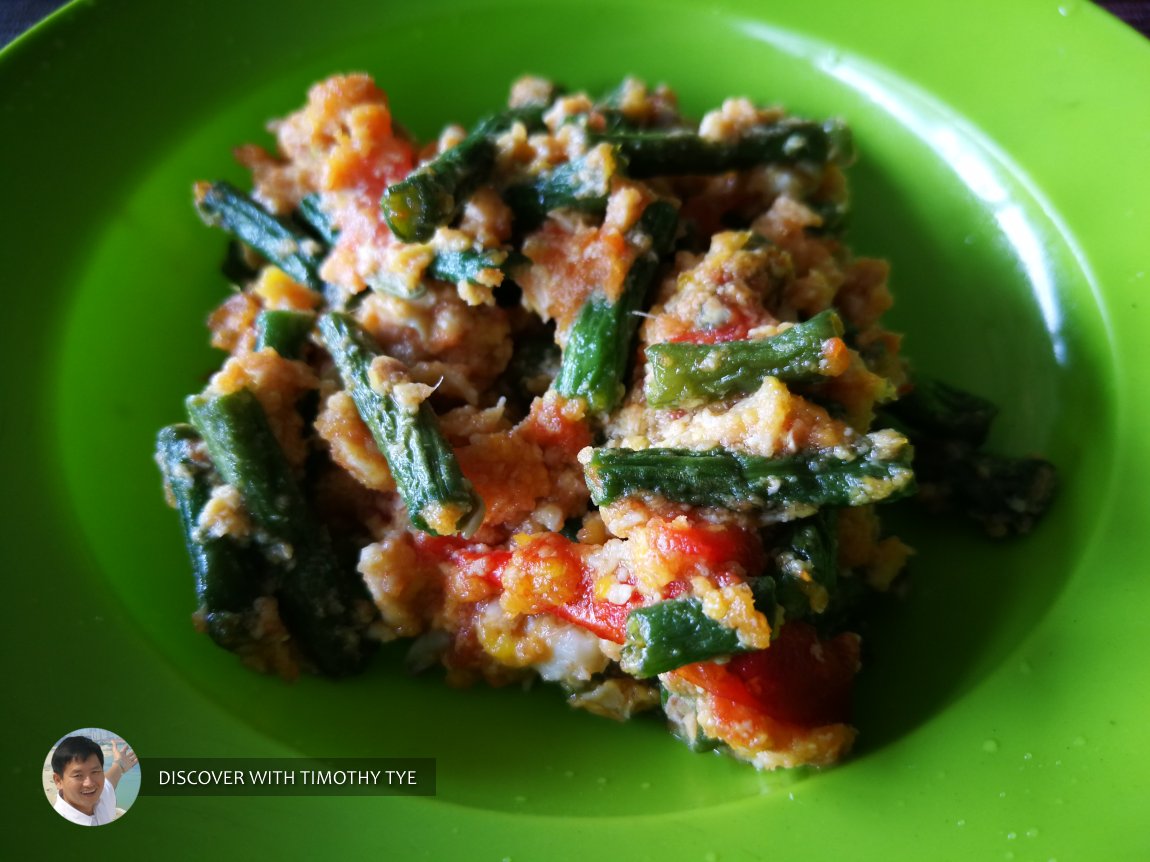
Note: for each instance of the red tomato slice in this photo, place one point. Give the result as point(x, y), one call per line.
point(714, 546)
point(800, 679)
point(478, 560)
point(603, 619)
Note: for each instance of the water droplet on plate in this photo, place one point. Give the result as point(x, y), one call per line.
point(990, 746)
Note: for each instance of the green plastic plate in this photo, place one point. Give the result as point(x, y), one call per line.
point(1005, 173)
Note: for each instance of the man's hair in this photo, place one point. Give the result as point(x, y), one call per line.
point(74, 748)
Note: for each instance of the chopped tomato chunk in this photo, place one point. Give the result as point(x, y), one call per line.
point(800, 679)
point(736, 328)
point(603, 619)
point(477, 560)
point(719, 548)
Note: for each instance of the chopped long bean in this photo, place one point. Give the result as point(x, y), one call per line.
point(312, 214)
point(222, 205)
point(939, 410)
point(284, 331)
point(322, 604)
point(685, 375)
point(439, 498)
point(949, 426)
point(456, 266)
point(878, 468)
point(434, 193)
point(1005, 495)
point(679, 153)
point(581, 184)
point(599, 345)
point(670, 634)
point(806, 564)
point(227, 575)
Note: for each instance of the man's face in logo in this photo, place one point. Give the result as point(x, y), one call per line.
point(82, 783)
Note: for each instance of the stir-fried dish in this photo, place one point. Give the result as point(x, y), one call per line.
point(590, 392)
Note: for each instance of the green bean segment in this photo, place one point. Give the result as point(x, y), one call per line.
point(439, 498)
point(433, 194)
point(321, 604)
point(670, 634)
point(227, 575)
point(284, 331)
point(222, 205)
point(686, 375)
point(877, 468)
point(599, 345)
point(681, 153)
